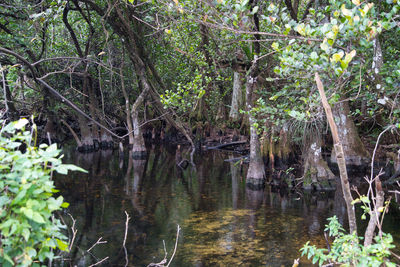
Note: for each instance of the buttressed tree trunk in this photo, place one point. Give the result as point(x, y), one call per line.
point(256, 172)
point(86, 135)
point(353, 148)
point(316, 170)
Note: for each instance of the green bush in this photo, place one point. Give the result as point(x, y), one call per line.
point(29, 232)
point(346, 249)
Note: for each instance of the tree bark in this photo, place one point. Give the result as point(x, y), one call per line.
point(139, 148)
point(316, 171)
point(375, 213)
point(77, 140)
point(353, 148)
point(86, 135)
point(236, 97)
point(256, 172)
point(127, 107)
point(11, 111)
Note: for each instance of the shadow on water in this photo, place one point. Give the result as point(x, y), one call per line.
point(224, 223)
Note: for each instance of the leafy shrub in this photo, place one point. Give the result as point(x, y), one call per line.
point(29, 232)
point(346, 249)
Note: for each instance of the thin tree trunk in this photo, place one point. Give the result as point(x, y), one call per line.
point(139, 148)
point(92, 106)
point(340, 158)
point(127, 108)
point(374, 214)
point(11, 111)
point(236, 97)
point(77, 140)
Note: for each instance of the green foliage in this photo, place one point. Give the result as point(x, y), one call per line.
point(347, 250)
point(185, 97)
point(29, 231)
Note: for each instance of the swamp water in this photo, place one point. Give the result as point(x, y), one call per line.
point(223, 222)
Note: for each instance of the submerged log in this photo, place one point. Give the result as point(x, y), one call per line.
point(227, 145)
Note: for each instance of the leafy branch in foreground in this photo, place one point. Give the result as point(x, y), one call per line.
point(348, 251)
point(29, 232)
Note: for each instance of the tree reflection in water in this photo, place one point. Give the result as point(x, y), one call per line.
point(223, 221)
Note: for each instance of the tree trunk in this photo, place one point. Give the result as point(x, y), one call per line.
point(86, 135)
point(139, 148)
point(353, 148)
point(284, 147)
point(316, 171)
point(256, 172)
point(127, 108)
point(236, 97)
point(11, 111)
point(77, 140)
point(375, 213)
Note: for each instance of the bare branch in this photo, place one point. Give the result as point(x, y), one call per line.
point(99, 262)
point(97, 243)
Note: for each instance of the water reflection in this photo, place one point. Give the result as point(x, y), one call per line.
point(223, 221)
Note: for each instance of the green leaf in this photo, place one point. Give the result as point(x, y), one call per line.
point(27, 212)
point(26, 233)
point(4, 200)
point(337, 56)
point(314, 56)
point(65, 205)
point(37, 217)
point(8, 259)
point(62, 245)
point(275, 46)
point(324, 46)
point(254, 11)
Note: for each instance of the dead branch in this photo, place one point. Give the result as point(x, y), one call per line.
point(99, 262)
point(126, 234)
point(77, 140)
point(163, 261)
point(97, 243)
point(74, 231)
point(339, 156)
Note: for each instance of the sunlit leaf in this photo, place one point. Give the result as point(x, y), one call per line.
point(20, 123)
point(62, 245)
point(345, 11)
point(337, 56)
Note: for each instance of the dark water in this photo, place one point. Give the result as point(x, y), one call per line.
point(223, 222)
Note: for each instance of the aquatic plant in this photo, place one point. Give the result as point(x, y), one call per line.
point(30, 233)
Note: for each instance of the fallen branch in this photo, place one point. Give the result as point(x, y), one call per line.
point(227, 144)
